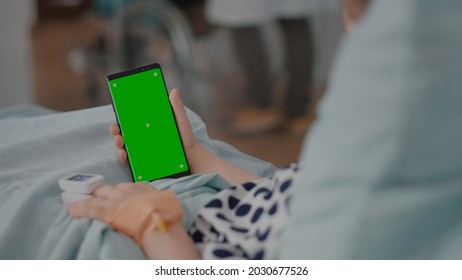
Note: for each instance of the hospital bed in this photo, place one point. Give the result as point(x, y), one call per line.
point(38, 146)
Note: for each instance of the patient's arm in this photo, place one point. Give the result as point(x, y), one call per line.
point(151, 217)
point(200, 159)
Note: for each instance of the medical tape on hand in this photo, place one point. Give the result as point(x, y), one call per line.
point(152, 210)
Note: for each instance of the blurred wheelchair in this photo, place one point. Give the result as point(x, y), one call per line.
point(138, 32)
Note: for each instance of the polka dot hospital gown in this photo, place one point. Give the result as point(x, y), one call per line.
point(246, 221)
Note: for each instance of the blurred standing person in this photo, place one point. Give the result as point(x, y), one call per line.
point(244, 18)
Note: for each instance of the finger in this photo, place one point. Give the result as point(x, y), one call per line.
point(133, 187)
point(114, 129)
point(119, 141)
point(123, 155)
point(94, 208)
point(144, 186)
point(129, 189)
point(181, 118)
point(124, 185)
point(177, 104)
point(105, 191)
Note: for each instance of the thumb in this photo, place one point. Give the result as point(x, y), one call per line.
point(181, 117)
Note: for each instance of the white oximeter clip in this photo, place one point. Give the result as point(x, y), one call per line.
point(79, 186)
point(81, 182)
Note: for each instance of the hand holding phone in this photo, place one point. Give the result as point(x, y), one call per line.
point(187, 135)
point(147, 124)
point(200, 159)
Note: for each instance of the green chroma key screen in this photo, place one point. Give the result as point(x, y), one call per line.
point(147, 124)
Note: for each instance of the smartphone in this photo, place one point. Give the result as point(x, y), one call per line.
point(147, 124)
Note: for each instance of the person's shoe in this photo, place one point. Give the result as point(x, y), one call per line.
point(253, 121)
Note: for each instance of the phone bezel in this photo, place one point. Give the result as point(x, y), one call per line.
point(134, 71)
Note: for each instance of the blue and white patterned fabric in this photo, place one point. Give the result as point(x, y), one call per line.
point(246, 221)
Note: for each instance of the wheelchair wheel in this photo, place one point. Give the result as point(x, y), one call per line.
point(145, 31)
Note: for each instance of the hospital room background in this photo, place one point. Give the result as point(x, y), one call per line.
point(381, 165)
point(56, 54)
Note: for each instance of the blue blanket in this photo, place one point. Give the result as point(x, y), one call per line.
point(39, 146)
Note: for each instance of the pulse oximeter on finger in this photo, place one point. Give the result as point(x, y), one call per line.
point(81, 183)
point(70, 197)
